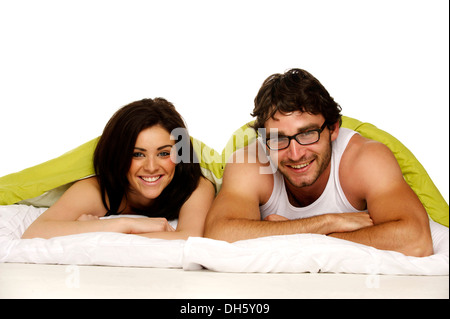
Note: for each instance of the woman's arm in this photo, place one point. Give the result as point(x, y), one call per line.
point(80, 207)
point(62, 218)
point(193, 213)
point(78, 211)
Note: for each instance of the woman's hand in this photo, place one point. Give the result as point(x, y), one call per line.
point(147, 225)
point(135, 225)
point(139, 225)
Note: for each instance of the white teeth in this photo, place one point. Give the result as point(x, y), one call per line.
point(150, 179)
point(300, 166)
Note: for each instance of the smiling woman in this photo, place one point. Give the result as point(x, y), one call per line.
point(138, 171)
point(152, 168)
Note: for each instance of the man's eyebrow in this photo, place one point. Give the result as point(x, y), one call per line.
point(299, 130)
point(308, 127)
point(272, 131)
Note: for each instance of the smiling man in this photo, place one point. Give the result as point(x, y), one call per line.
point(326, 179)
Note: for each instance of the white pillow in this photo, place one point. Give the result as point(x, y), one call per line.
point(291, 253)
point(314, 253)
point(99, 248)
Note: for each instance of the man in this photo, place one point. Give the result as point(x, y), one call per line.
point(327, 179)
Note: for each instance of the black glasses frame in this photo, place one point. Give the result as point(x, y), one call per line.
point(294, 137)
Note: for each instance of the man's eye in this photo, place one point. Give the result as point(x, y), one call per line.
point(309, 135)
point(281, 139)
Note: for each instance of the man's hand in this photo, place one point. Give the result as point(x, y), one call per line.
point(341, 222)
point(275, 218)
point(347, 222)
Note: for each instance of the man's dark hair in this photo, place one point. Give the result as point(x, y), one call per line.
point(295, 90)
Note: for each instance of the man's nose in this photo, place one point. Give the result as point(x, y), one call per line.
point(295, 150)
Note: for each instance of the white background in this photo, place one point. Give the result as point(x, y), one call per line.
point(67, 66)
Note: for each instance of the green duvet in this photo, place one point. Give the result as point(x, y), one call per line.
point(42, 184)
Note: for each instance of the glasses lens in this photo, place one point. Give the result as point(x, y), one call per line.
point(307, 137)
point(278, 143)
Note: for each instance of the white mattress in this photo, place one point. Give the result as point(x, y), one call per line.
point(299, 253)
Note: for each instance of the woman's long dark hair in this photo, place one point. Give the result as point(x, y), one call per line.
point(113, 155)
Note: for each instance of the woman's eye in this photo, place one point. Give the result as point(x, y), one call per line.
point(138, 154)
point(164, 154)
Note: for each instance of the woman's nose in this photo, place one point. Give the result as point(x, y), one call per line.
point(150, 164)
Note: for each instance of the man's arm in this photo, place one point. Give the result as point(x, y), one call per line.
point(235, 215)
point(371, 172)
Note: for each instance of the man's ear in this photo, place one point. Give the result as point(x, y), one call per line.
point(334, 131)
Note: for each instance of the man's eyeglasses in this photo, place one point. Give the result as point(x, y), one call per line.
point(303, 138)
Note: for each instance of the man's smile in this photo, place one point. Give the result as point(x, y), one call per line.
point(299, 166)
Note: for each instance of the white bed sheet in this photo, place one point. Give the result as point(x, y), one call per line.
point(98, 248)
point(286, 254)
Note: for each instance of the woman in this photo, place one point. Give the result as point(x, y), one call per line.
point(138, 171)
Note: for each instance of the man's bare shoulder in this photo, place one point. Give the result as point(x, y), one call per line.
point(251, 158)
point(249, 168)
point(251, 153)
point(364, 150)
point(366, 166)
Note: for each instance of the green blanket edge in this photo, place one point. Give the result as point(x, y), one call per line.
point(77, 164)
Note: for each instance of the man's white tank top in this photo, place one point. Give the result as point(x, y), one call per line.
point(332, 199)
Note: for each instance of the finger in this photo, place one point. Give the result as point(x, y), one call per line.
point(274, 218)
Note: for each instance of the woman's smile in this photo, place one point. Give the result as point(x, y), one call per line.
point(151, 179)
